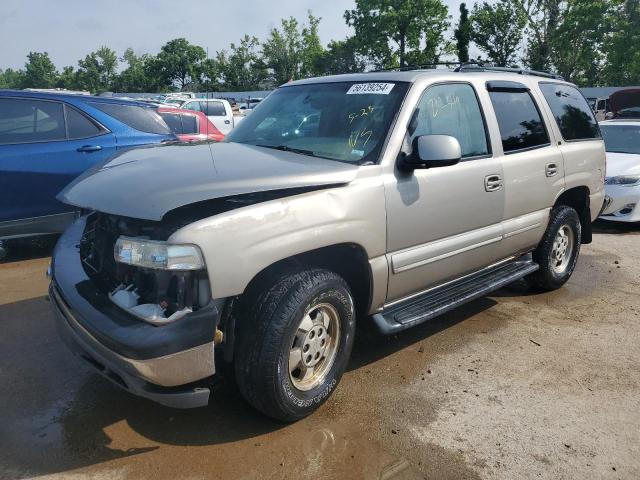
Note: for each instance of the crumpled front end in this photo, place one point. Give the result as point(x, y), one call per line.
point(169, 362)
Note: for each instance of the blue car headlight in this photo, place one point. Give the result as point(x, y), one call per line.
point(625, 180)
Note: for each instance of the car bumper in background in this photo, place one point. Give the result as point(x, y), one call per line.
point(622, 204)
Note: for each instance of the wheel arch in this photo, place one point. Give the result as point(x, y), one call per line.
point(578, 198)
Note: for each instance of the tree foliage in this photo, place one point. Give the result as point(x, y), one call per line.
point(590, 42)
point(462, 34)
point(497, 30)
point(399, 32)
point(39, 70)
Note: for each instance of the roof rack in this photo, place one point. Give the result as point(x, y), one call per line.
point(473, 67)
point(482, 67)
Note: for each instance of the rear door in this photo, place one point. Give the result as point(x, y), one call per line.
point(44, 145)
point(532, 164)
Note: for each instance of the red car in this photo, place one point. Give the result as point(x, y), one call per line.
point(190, 126)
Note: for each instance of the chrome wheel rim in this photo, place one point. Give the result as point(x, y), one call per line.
point(562, 249)
point(314, 347)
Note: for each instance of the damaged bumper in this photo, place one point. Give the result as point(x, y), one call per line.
point(165, 364)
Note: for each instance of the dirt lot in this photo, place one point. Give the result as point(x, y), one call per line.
point(512, 386)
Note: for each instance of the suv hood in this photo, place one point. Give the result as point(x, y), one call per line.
point(146, 183)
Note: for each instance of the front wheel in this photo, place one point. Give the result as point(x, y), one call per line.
point(558, 251)
point(294, 341)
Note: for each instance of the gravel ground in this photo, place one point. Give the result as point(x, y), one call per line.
point(517, 385)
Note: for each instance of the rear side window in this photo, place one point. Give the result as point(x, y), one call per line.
point(27, 121)
point(180, 124)
point(571, 110)
point(452, 109)
point(195, 106)
point(79, 126)
point(144, 119)
point(214, 109)
point(521, 126)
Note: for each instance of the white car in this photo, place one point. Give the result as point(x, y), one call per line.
point(622, 183)
point(218, 110)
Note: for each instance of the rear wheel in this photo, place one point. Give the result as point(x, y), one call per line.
point(294, 341)
point(558, 251)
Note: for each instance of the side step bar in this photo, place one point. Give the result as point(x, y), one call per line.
point(442, 299)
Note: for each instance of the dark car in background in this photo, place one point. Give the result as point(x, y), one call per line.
point(48, 139)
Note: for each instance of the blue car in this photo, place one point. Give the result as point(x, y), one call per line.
point(48, 139)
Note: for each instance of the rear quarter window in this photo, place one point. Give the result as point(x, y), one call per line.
point(571, 111)
point(144, 119)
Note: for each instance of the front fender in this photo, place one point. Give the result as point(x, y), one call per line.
point(239, 244)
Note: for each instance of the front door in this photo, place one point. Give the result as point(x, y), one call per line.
point(445, 222)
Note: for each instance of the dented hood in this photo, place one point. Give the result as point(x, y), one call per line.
point(147, 183)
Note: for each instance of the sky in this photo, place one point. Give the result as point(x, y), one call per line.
point(70, 29)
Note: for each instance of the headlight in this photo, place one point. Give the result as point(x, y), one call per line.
point(626, 180)
point(160, 255)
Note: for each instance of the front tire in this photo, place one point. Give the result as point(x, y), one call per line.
point(557, 253)
point(295, 336)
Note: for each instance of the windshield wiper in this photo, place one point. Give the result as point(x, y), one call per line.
point(285, 148)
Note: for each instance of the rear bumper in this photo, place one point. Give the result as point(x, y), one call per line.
point(135, 376)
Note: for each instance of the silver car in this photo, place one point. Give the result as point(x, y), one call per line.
point(380, 199)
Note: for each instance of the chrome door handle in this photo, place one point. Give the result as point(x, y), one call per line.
point(492, 183)
point(551, 169)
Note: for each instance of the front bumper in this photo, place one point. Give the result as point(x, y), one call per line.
point(622, 203)
point(163, 364)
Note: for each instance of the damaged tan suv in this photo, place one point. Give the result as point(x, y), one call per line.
point(382, 199)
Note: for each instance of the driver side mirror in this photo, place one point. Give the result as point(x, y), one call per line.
point(431, 151)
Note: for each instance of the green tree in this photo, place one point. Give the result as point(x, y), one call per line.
point(282, 52)
point(10, 78)
point(242, 68)
point(622, 45)
point(39, 71)
point(498, 30)
point(139, 76)
point(312, 49)
point(97, 71)
point(68, 78)
point(396, 32)
point(342, 56)
point(462, 34)
point(179, 62)
point(542, 22)
point(577, 42)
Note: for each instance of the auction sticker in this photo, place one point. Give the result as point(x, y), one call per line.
point(370, 89)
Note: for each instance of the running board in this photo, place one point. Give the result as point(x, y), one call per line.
point(435, 302)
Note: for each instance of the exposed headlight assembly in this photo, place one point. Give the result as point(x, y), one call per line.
point(625, 180)
point(159, 255)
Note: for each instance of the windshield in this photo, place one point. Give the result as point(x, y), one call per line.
point(345, 121)
point(621, 138)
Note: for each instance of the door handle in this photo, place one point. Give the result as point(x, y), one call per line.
point(551, 169)
point(227, 122)
point(492, 183)
point(89, 148)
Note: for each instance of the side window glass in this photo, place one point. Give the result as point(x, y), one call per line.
point(215, 109)
point(453, 110)
point(571, 111)
point(143, 119)
point(521, 126)
point(26, 121)
point(79, 126)
point(195, 106)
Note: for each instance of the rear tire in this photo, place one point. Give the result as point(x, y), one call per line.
point(295, 335)
point(558, 250)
